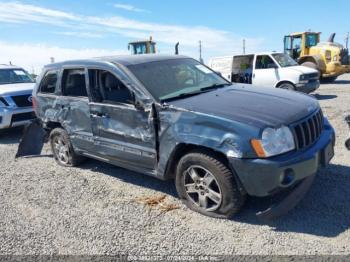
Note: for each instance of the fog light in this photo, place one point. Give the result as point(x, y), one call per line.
point(287, 177)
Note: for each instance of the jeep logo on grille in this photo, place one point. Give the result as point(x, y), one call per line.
point(30, 99)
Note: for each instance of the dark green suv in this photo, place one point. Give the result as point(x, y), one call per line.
point(171, 117)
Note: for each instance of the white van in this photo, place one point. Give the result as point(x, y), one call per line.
point(267, 69)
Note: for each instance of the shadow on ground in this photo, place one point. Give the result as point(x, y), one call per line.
point(324, 97)
point(325, 211)
point(131, 177)
point(341, 82)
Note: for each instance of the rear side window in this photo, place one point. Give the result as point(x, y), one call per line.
point(73, 83)
point(48, 84)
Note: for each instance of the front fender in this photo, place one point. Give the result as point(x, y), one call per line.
point(225, 136)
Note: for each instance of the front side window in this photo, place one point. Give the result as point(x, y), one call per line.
point(106, 88)
point(264, 62)
point(176, 78)
point(14, 76)
point(48, 84)
point(284, 60)
point(73, 83)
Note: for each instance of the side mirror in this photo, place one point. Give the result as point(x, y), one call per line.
point(138, 105)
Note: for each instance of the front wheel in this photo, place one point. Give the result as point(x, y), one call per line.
point(287, 86)
point(206, 185)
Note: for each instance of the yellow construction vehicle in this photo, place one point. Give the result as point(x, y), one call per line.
point(143, 47)
point(147, 47)
point(329, 58)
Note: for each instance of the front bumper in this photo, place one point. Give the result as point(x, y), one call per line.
point(17, 116)
point(264, 177)
point(308, 87)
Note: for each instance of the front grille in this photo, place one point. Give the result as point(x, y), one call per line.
point(308, 131)
point(22, 117)
point(22, 101)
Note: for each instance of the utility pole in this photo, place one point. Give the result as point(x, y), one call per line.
point(243, 46)
point(200, 51)
point(347, 40)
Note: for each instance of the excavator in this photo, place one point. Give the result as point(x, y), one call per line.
point(329, 58)
point(146, 47)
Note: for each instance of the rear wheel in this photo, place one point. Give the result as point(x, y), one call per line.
point(206, 185)
point(62, 148)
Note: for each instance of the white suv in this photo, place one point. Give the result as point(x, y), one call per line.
point(16, 87)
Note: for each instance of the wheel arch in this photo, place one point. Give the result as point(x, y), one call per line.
point(184, 148)
point(285, 82)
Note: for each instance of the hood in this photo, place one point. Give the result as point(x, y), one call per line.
point(10, 89)
point(302, 69)
point(255, 106)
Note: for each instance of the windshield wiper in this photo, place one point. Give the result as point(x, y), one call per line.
point(182, 95)
point(214, 86)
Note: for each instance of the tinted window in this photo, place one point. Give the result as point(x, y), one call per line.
point(11, 76)
point(264, 62)
point(48, 84)
point(73, 82)
point(106, 88)
point(174, 78)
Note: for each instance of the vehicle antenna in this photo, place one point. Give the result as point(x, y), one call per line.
point(200, 51)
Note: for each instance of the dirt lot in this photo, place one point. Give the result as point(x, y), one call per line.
point(46, 209)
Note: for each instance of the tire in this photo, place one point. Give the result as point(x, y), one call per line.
point(347, 144)
point(199, 167)
point(311, 65)
point(62, 149)
point(287, 86)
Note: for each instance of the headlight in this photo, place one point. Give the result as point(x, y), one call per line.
point(274, 142)
point(303, 79)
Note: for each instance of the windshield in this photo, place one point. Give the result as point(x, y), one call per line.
point(284, 60)
point(13, 76)
point(176, 78)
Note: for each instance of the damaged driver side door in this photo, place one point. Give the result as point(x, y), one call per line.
point(122, 132)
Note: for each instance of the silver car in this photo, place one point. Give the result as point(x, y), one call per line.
point(16, 87)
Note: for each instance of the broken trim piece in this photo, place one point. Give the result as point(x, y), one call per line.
point(289, 202)
point(32, 141)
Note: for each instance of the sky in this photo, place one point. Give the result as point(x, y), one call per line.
point(32, 31)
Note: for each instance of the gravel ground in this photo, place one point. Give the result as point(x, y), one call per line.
point(47, 209)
